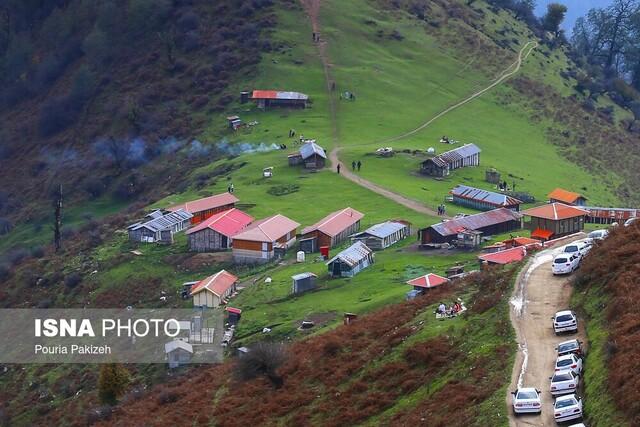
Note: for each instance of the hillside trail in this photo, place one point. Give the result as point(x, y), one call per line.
point(312, 8)
point(537, 296)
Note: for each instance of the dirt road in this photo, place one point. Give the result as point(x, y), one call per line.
point(537, 297)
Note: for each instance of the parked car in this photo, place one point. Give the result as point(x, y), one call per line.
point(567, 408)
point(598, 234)
point(580, 247)
point(564, 382)
point(526, 400)
point(630, 221)
point(565, 264)
point(569, 361)
point(565, 321)
point(570, 347)
point(577, 425)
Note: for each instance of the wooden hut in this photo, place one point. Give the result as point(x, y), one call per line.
point(492, 222)
point(554, 220)
point(277, 98)
point(383, 235)
point(427, 281)
point(178, 353)
point(567, 197)
point(331, 230)
point(313, 156)
point(159, 227)
point(264, 240)
point(442, 164)
point(204, 208)
point(351, 261)
point(216, 233)
point(303, 282)
point(483, 200)
point(213, 290)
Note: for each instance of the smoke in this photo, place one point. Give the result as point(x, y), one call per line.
point(169, 145)
point(197, 149)
point(227, 148)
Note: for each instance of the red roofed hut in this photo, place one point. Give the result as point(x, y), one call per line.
point(507, 256)
point(264, 239)
point(567, 197)
point(278, 98)
point(554, 220)
point(216, 233)
point(212, 291)
point(427, 281)
point(331, 230)
point(202, 209)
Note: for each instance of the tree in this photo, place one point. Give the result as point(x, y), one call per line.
point(112, 383)
point(553, 18)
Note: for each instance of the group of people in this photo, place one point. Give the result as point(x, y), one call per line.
point(355, 165)
point(315, 37)
point(292, 133)
point(452, 310)
point(442, 209)
point(230, 188)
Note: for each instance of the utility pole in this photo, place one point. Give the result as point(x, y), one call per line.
point(58, 218)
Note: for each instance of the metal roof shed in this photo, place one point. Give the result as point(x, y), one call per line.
point(303, 282)
point(351, 261)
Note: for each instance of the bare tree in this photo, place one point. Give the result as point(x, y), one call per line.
point(263, 359)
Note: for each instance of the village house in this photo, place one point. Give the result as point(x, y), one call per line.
point(599, 215)
point(567, 197)
point(178, 353)
point(483, 200)
point(216, 233)
point(311, 155)
point(212, 291)
point(264, 240)
point(159, 227)
point(383, 235)
point(554, 220)
point(507, 256)
point(497, 221)
point(331, 230)
point(350, 261)
point(202, 209)
point(277, 98)
point(442, 164)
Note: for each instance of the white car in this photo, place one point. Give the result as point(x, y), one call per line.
point(581, 248)
point(577, 425)
point(630, 221)
point(598, 234)
point(569, 361)
point(526, 400)
point(565, 264)
point(567, 408)
point(564, 382)
point(565, 321)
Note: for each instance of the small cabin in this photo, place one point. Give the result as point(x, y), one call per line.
point(178, 353)
point(303, 282)
point(383, 235)
point(351, 261)
point(159, 226)
point(442, 164)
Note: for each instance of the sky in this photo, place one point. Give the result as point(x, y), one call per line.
point(575, 9)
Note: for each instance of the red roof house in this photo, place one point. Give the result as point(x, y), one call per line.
point(216, 232)
point(331, 230)
point(504, 257)
point(554, 220)
point(268, 98)
point(427, 281)
point(264, 239)
point(212, 291)
point(202, 209)
point(568, 197)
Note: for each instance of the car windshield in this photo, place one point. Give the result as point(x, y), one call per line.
point(527, 395)
point(564, 318)
point(571, 248)
point(567, 347)
point(564, 362)
point(564, 403)
point(561, 377)
point(560, 260)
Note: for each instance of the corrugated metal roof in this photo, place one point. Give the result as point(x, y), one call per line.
point(564, 195)
point(311, 148)
point(477, 221)
point(268, 229)
point(383, 229)
point(219, 283)
point(353, 254)
point(204, 204)
point(555, 211)
point(336, 222)
point(277, 94)
point(164, 222)
point(496, 199)
point(456, 154)
point(227, 223)
point(302, 276)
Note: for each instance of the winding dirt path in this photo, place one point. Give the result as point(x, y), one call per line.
point(312, 8)
point(537, 297)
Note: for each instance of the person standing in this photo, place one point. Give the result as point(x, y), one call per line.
point(359, 165)
point(338, 168)
point(353, 165)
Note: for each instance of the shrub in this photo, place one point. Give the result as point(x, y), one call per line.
point(37, 252)
point(167, 396)
point(72, 280)
point(263, 359)
point(112, 382)
point(189, 21)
